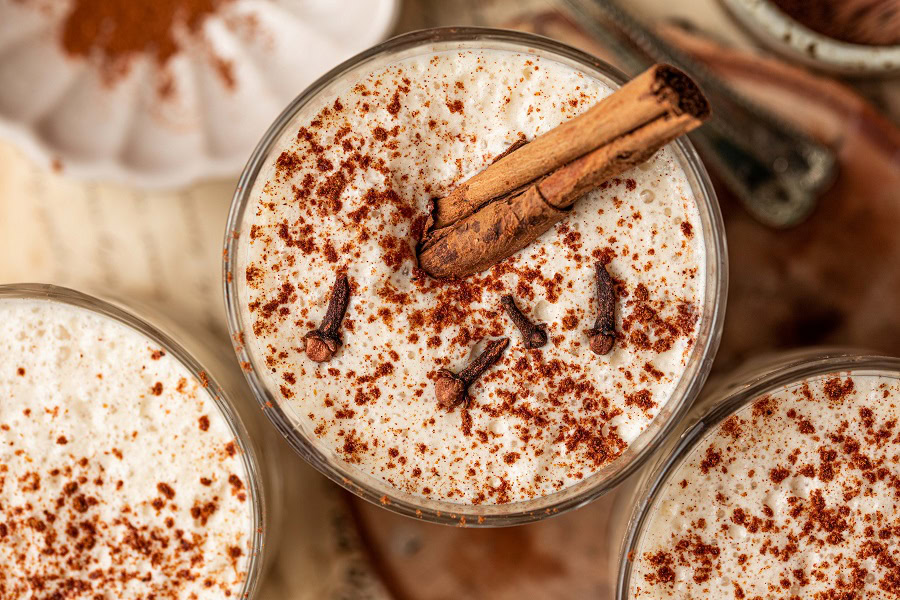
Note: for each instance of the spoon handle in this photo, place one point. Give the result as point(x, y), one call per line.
point(777, 171)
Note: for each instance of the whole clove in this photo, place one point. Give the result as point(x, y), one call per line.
point(451, 388)
point(535, 335)
point(322, 343)
point(603, 335)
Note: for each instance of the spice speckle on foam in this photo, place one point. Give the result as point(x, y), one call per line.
point(346, 191)
point(795, 496)
point(118, 475)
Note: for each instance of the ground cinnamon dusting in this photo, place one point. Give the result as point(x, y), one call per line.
point(796, 495)
point(88, 512)
point(348, 194)
point(113, 34)
point(871, 22)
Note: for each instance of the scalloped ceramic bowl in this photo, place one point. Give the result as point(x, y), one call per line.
point(61, 110)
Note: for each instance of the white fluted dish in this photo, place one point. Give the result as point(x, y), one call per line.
point(62, 111)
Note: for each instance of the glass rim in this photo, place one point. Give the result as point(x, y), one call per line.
point(70, 297)
point(758, 382)
point(484, 515)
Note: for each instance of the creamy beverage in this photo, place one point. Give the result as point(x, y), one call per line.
point(793, 496)
point(344, 193)
point(119, 475)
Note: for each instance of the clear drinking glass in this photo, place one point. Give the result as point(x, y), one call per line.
point(428, 42)
point(241, 414)
point(633, 503)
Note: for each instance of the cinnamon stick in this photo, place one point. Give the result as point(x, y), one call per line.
point(650, 111)
point(659, 91)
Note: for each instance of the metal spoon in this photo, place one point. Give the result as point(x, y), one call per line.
point(777, 171)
